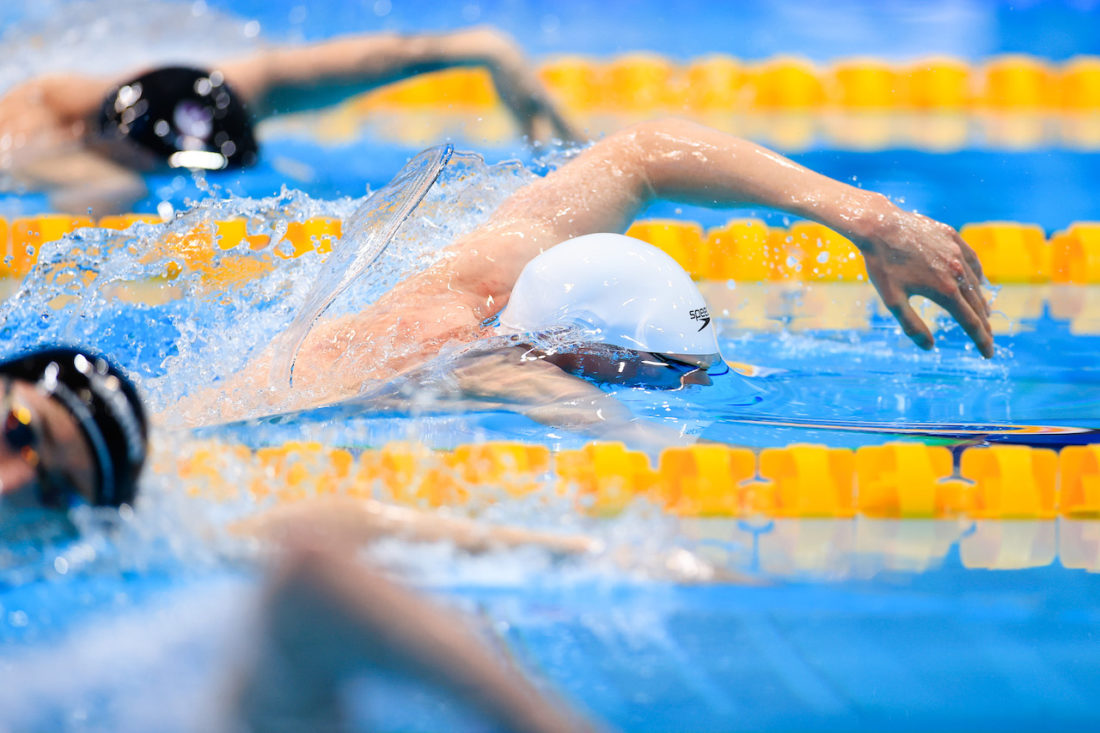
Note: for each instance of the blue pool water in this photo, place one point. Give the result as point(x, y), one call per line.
point(133, 629)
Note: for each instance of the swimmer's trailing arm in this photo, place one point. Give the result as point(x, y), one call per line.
point(906, 254)
point(294, 79)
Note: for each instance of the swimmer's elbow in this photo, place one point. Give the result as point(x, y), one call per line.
point(657, 133)
point(648, 148)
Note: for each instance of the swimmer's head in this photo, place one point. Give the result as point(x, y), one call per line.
point(642, 318)
point(73, 428)
point(183, 117)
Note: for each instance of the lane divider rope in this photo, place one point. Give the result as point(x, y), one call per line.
point(650, 82)
point(744, 250)
point(893, 480)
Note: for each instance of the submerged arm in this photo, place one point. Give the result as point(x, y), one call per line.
point(82, 181)
point(548, 395)
point(342, 519)
point(606, 186)
point(301, 78)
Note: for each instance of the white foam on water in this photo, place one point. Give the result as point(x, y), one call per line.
point(208, 329)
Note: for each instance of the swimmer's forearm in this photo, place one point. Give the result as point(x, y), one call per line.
point(906, 254)
point(684, 161)
point(609, 184)
point(319, 75)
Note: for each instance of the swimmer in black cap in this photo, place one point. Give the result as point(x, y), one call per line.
point(73, 430)
point(183, 117)
point(82, 138)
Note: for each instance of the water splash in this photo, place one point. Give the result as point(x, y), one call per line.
point(369, 231)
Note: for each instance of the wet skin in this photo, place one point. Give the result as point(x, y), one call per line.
point(602, 190)
point(46, 141)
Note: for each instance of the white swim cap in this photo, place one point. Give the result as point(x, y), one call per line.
point(623, 291)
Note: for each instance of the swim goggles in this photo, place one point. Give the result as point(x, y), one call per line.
point(23, 434)
point(642, 369)
point(665, 370)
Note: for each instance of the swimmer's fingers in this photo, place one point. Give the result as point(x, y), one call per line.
point(564, 130)
point(972, 290)
point(568, 132)
point(970, 257)
point(975, 325)
point(911, 323)
point(974, 275)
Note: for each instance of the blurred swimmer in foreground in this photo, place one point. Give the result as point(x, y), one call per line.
point(75, 432)
point(638, 305)
point(85, 139)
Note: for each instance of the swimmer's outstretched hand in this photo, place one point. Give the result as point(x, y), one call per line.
point(908, 254)
point(521, 91)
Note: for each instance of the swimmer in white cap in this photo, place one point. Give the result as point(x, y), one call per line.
point(638, 314)
point(602, 190)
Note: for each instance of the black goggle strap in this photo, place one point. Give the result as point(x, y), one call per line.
point(105, 480)
point(718, 367)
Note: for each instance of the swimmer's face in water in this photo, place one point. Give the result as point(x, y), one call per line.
point(44, 459)
point(628, 368)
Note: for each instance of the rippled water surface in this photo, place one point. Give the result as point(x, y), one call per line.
point(845, 625)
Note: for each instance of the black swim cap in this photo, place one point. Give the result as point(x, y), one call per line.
point(186, 117)
point(106, 408)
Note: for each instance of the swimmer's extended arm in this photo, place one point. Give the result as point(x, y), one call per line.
point(609, 183)
point(312, 77)
point(342, 519)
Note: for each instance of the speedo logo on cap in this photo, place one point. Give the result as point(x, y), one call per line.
point(700, 314)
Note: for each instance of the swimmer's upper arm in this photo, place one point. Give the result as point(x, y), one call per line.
point(315, 76)
point(601, 190)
